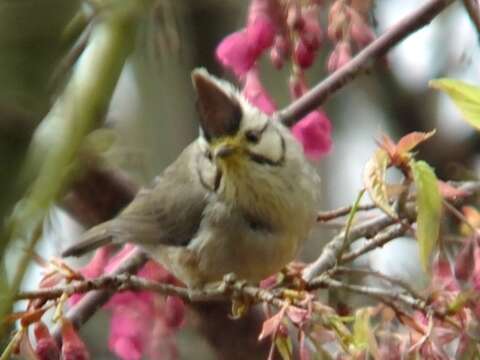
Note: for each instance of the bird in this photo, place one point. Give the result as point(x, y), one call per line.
point(239, 199)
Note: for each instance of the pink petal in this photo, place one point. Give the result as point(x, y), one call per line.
point(235, 53)
point(314, 132)
point(125, 348)
point(256, 93)
point(260, 34)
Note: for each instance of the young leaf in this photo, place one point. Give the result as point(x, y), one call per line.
point(374, 181)
point(363, 335)
point(429, 206)
point(465, 96)
point(410, 141)
point(271, 325)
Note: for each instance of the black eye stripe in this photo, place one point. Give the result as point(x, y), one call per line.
point(260, 159)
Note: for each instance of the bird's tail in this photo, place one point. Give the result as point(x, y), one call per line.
point(96, 237)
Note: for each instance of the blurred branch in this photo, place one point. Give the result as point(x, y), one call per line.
point(57, 140)
point(378, 48)
point(474, 13)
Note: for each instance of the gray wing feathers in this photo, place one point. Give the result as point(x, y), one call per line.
point(170, 213)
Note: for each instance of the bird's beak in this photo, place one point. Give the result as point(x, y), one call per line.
point(224, 150)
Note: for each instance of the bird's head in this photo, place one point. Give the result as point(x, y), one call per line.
point(255, 156)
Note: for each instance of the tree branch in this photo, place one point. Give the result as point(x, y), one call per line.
point(379, 47)
point(82, 311)
point(332, 251)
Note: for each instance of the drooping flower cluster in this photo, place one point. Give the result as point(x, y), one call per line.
point(142, 323)
point(291, 31)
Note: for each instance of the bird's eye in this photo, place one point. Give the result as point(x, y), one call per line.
point(252, 136)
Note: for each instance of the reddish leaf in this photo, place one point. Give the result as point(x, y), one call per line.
point(464, 263)
point(297, 315)
point(410, 141)
point(387, 144)
point(27, 317)
point(271, 325)
point(443, 274)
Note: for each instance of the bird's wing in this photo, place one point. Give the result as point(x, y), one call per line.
point(168, 213)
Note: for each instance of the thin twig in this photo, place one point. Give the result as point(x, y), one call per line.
point(324, 216)
point(379, 240)
point(89, 304)
point(377, 274)
point(376, 292)
point(330, 253)
point(379, 47)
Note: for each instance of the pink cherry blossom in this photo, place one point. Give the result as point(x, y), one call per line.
point(314, 132)
point(260, 34)
point(135, 314)
point(256, 93)
point(261, 23)
point(235, 53)
point(46, 347)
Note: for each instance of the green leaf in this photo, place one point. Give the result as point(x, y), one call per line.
point(464, 95)
point(429, 206)
point(363, 336)
point(374, 181)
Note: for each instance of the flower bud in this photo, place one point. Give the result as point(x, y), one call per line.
point(361, 33)
point(294, 20)
point(303, 56)
point(234, 53)
point(339, 56)
point(73, 348)
point(46, 348)
point(297, 85)
point(312, 32)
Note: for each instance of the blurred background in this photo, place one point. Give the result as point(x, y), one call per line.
point(152, 116)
